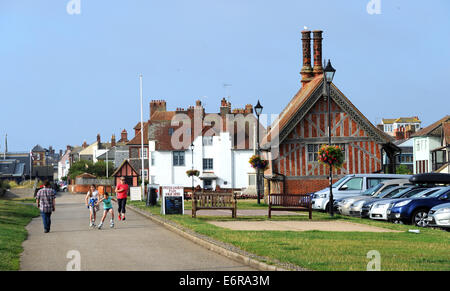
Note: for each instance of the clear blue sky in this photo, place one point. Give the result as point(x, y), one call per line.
point(64, 78)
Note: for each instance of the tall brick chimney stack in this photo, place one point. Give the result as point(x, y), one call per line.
point(317, 38)
point(307, 70)
point(98, 138)
point(113, 140)
point(124, 136)
point(157, 105)
point(85, 145)
point(225, 107)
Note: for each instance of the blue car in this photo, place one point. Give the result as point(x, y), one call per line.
point(415, 210)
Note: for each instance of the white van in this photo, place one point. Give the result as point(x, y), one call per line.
point(350, 185)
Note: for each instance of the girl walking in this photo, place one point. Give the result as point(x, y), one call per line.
point(107, 207)
point(91, 203)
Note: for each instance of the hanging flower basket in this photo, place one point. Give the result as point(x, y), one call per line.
point(257, 163)
point(331, 156)
point(191, 173)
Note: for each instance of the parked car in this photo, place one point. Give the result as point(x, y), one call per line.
point(356, 208)
point(380, 210)
point(415, 211)
point(63, 188)
point(350, 185)
point(343, 205)
point(386, 194)
point(439, 216)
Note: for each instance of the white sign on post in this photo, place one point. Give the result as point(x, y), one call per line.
point(172, 199)
point(135, 193)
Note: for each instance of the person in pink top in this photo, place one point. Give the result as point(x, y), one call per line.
point(122, 194)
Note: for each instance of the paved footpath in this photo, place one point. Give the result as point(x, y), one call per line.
point(136, 244)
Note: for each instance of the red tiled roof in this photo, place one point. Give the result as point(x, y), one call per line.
point(161, 122)
point(136, 140)
point(447, 133)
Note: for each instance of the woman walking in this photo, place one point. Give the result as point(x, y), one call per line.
point(91, 203)
point(122, 194)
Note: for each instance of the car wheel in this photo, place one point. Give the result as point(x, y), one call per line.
point(419, 218)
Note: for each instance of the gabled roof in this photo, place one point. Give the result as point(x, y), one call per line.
point(136, 140)
point(304, 100)
point(121, 165)
point(432, 129)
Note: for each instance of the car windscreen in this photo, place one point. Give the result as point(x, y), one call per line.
point(372, 190)
point(440, 192)
point(391, 192)
point(411, 193)
point(425, 193)
point(402, 193)
point(339, 182)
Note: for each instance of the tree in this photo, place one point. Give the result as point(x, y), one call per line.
point(403, 170)
point(98, 169)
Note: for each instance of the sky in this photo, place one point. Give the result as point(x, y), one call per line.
point(66, 77)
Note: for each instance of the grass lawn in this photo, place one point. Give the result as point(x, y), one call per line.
point(14, 216)
point(320, 250)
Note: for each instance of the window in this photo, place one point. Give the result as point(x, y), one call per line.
point(353, 184)
point(145, 153)
point(178, 158)
point(207, 184)
point(313, 150)
point(207, 164)
point(145, 175)
point(170, 131)
point(207, 140)
point(152, 159)
point(251, 179)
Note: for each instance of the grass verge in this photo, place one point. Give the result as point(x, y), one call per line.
point(326, 250)
point(14, 216)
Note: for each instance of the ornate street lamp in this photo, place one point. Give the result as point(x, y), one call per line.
point(258, 111)
point(328, 75)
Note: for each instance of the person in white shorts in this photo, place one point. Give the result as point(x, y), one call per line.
point(91, 203)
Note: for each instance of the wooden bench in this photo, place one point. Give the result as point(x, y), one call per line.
point(213, 200)
point(290, 202)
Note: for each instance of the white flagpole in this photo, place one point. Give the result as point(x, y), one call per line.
point(142, 138)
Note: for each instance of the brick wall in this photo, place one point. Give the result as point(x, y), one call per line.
point(305, 186)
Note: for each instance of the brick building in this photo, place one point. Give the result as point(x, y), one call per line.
point(302, 128)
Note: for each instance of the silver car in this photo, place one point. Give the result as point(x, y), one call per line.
point(439, 216)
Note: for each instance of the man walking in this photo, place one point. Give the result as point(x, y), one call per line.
point(122, 194)
point(45, 199)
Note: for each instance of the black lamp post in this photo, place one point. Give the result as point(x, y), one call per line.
point(192, 165)
point(328, 75)
point(258, 111)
